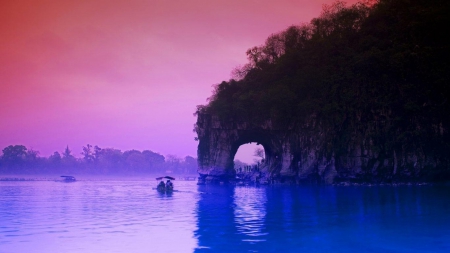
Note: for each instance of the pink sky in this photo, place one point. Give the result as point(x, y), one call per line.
point(125, 74)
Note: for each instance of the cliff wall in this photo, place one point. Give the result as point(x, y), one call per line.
point(315, 154)
point(361, 93)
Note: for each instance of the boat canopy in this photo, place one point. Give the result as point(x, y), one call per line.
point(160, 178)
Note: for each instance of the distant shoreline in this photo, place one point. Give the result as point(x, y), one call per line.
point(90, 178)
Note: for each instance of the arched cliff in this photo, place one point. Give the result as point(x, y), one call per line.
point(310, 154)
point(359, 94)
point(290, 156)
point(219, 142)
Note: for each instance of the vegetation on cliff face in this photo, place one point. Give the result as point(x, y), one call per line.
point(380, 69)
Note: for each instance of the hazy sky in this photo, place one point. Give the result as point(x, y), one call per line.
point(125, 74)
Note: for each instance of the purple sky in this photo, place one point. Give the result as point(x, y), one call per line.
point(124, 74)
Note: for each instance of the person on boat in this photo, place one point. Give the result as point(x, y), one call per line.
point(169, 185)
point(161, 186)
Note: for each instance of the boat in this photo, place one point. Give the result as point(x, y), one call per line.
point(69, 179)
point(165, 188)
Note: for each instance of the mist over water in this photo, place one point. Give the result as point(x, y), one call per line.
point(129, 216)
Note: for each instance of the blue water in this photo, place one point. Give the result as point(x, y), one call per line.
point(129, 216)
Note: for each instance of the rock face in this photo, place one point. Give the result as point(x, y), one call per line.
point(311, 154)
point(360, 94)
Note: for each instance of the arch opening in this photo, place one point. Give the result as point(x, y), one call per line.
point(260, 151)
point(218, 149)
point(249, 154)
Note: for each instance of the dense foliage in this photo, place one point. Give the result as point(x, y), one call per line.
point(17, 159)
point(381, 65)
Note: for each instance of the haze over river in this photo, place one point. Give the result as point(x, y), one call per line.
point(129, 216)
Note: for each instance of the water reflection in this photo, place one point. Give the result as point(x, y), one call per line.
point(128, 216)
point(249, 213)
point(100, 216)
point(215, 219)
point(323, 219)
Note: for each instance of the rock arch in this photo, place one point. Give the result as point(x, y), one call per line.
point(311, 153)
point(219, 142)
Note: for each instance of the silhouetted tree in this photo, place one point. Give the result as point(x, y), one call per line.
point(69, 162)
point(33, 161)
point(54, 162)
point(67, 154)
point(239, 165)
point(14, 157)
point(134, 161)
point(173, 164)
point(97, 153)
point(88, 155)
point(110, 161)
point(154, 161)
point(259, 154)
point(190, 165)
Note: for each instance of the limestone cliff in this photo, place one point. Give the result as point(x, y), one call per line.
point(311, 154)
point(358, 94)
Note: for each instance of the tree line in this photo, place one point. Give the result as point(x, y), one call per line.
point(18, 159)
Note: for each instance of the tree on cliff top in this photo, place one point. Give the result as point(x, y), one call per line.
point(380, 68)
point(388, 56)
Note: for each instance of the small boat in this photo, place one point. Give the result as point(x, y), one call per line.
point(69, 179)
point(165, 187)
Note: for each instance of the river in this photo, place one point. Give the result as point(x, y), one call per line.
point(129, 216)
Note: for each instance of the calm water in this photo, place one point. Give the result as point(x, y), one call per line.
point(128, 216)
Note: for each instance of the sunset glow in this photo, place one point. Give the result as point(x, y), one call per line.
point(124, 74)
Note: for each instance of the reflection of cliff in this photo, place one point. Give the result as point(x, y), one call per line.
point(231, 219)
point(321, 219)
point(358, 94)
point(215, 219)
point(252, 219)
point(250, 214)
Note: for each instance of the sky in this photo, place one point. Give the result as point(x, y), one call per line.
point(124, 74)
